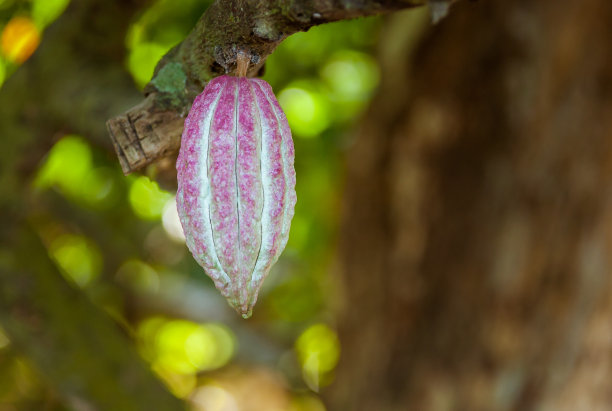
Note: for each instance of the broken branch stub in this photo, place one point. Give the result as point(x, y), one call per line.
point(144, 134)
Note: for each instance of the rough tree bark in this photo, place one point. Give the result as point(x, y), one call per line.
point(478, 218)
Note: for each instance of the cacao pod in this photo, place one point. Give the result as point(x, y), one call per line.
point(236, 185)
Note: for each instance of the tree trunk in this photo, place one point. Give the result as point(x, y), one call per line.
point(477, 252)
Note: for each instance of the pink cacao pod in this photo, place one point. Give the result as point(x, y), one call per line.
point(236, 185)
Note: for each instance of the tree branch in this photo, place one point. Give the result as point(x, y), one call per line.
point(152, 129)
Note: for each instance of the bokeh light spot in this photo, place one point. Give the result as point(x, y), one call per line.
point(172, 223)
point(69, 168)
point(219, 341)
point(307, 110)
point(181, 385)
point(318, 350)
point(78, 258)
point(184, 347)
point(19, 39)
point(66, 166)
point(159, 28)
point(300, 103)
point(351, 75)
point(147, 330)
point(171, 346)
point(213, 398)
point(142, 60)
point(147, 199)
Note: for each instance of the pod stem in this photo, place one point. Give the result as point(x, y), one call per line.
point(242, 63)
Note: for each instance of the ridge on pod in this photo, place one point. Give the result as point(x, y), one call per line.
point(236, 185)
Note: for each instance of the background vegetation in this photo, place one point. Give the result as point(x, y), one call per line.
point(451, 245)
point(118, 238)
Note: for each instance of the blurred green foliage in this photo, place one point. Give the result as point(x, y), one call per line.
point(120, 239)
point(78, 258)
point(34, 16)
point(69, 168)
point(147, 199)
point(2, 71)
point(162, 26)
point(46, 11)
point(318, 350)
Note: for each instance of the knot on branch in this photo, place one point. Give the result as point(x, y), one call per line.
point(266, 30)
